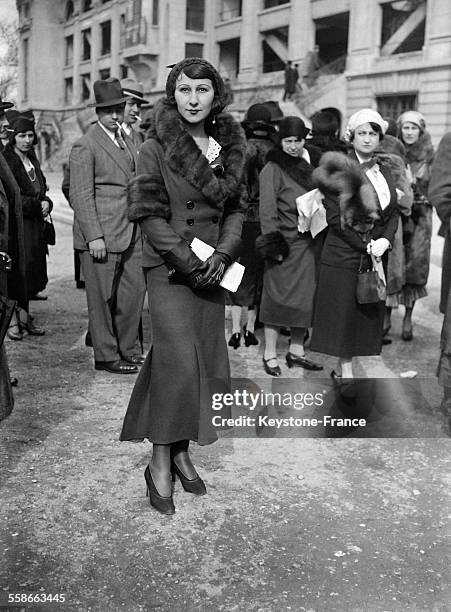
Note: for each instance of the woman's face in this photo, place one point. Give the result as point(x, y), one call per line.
point(194, 98)
point(410, 132)
point(24, 141)
point(293, 146)
point(366, 140)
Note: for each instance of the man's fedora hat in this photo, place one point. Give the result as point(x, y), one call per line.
point(5, 105)
point(107, 93)
point(133, 89)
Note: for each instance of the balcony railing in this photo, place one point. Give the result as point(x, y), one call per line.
point(134, 33)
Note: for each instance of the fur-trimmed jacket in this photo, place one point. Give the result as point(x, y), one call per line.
point(177, 195)
point(31, 198)
point(353, 212)
point(282, 180)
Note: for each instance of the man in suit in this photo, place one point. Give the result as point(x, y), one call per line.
point(101, 164)
point(134, 99)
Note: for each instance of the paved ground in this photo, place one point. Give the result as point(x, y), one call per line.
point(302, 523)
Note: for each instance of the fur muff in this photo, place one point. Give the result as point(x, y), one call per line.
point(340, 176)
point(184, 157)
point(272, 245)
point(147, 197)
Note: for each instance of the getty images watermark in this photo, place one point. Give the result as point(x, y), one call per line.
point(258, 401)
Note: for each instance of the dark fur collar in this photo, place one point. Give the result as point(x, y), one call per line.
point(296, 168)
point(20, 174)
point(184, 157)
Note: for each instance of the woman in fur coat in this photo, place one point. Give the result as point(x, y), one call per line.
point(187, 186)
point(362, 215)
point(36, 205)
point(289, 278)
point(418, 232)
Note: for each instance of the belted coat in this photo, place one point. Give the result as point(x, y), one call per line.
point(177, 196)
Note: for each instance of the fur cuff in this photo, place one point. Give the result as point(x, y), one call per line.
point(147, 197)
point(270, 246)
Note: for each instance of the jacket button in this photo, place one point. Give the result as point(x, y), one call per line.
point(190, 204)
point(214, 219)
point(190, 221)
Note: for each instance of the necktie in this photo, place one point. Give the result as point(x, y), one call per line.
point(123, 145)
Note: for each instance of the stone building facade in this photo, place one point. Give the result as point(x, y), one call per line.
point(387, 54)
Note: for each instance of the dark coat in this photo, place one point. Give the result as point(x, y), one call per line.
point(418, 244)
point(288, 286)
point(13, 238)
point(175, 183)
point(440, 196)
point(177, 196)
point(341, 326)
point(35, 245)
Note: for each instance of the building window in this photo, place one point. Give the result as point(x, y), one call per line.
point(105, 36)
point(195, 12)
point(403, 26)
point(69, 54)
point(104, 74)
point(271, 61)
point(194, 50)
point(395, 105)
point(69, 10)
point(155, 12)
point(230, 9)
point(85, 86)
point(272, 3)
point(86, 44)
point(68, 90)
point(124, 71)
point(87, 5)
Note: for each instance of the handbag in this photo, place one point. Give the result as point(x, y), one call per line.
point(49, 231)
point(370, 284)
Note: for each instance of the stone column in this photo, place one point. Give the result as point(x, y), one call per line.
point(301, 30)
point(172, 37)
point(437, 44)
point(365, 23)
point(250, 47)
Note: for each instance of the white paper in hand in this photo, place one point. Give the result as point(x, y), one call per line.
point(234, 273)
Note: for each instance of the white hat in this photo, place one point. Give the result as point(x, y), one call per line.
point(366, 115)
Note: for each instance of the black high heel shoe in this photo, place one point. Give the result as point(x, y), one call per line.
point(234, 341)
point(295, 360)
point(271, 370)
point(165, 505)
point(194, 485)
point(249, 338)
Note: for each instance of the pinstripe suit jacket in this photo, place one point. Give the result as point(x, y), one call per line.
point(99, 174)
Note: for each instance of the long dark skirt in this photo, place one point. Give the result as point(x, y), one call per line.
point(35, 256)
point(249, 291)
point(341, 326)
point(289, 288)
point(186, 363)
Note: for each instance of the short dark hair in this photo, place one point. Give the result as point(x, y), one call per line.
point(198, 68)
point(376, 127)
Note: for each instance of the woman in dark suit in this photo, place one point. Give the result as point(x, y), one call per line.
point(289, 278)
point(36, 205)
point(362, 215)
point(187, 187)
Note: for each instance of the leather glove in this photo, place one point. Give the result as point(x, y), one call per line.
point(192, 279)
point(215, 269)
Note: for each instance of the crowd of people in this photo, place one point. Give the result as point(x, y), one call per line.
point(307, 212)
